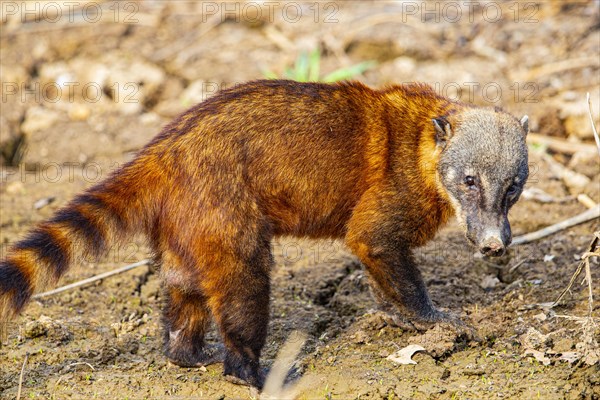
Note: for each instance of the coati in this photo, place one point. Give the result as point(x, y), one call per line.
point(382, 169)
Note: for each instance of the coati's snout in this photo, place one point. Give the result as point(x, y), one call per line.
point(482, 169)
point(491, 236)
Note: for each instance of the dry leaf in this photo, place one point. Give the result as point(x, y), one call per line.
point(404, 356)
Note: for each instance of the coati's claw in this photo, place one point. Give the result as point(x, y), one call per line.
point(422, 324)
point(454, 323)
point(257, 380)
point(399, 321)
point(207, 355)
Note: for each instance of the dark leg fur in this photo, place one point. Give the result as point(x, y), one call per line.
point(398, 285)
point(377, 239)
point(240, 303)
point(186, 319)
point(401, 292)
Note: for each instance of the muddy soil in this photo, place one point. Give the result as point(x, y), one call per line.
point(152, 60)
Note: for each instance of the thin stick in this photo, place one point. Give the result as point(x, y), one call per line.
point(562, 65)
point(517, 265)
point(586, 201)
point(81, 363)
point(549, 230)
point(92, 279)
point(588, 277)
point(21, 376)
point(570, 285)
point(592, 122)
point(584, 260)
point(560, 145)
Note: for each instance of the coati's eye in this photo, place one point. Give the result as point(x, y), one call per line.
point(470, 181)
point(512, 190)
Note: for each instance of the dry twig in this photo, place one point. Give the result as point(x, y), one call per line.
point(92, 279)
point(560, 145)
point(592, 122)
point(560, 66)
point(574, 181)
point(586, 200)
point(592, 251)
point(21, 376)
point(549, 230)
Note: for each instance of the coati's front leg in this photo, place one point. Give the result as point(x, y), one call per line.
point(397, 283)
point(377, 239)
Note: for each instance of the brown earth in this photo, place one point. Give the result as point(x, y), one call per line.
point(104, 341)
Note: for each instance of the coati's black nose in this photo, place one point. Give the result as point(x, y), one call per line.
point(492, 248)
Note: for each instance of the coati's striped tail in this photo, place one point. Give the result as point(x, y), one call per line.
point(107, 212)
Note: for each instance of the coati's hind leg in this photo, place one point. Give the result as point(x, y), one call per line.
point(186, 317)
point(238, 288)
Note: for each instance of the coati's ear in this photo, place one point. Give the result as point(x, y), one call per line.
point(443, 131)
point(525, 123)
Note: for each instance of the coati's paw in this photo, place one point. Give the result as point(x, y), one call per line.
point(453, 323)
point(428, 321)
point(257, 382)
point(198, 356)
point(243, 371)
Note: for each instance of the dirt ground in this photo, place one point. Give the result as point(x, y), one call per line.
point(152, 59)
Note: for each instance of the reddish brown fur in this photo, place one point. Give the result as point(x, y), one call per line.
point(262, 159)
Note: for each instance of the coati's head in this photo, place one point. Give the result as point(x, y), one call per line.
point(482, 168)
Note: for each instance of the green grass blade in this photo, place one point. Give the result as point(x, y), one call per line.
point(315, 65)
point(301, 68)
point(270, 74)
point(349, 72)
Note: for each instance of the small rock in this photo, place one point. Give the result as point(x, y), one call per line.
point(563, 345)
point(38, 119)
point(540, 317)
point(445, 374)
point(360, 337)
point(150, 119)
point(45, 326)
point(79, 112)
point(576, 118)
point(15, 187)
point(405, 66)
point(489, 282)
point(150, 290)
point(578, 126)
point(533, 339)
point(196, 92)
point(35, 329)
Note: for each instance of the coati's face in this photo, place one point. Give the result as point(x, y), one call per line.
point(483, 167)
